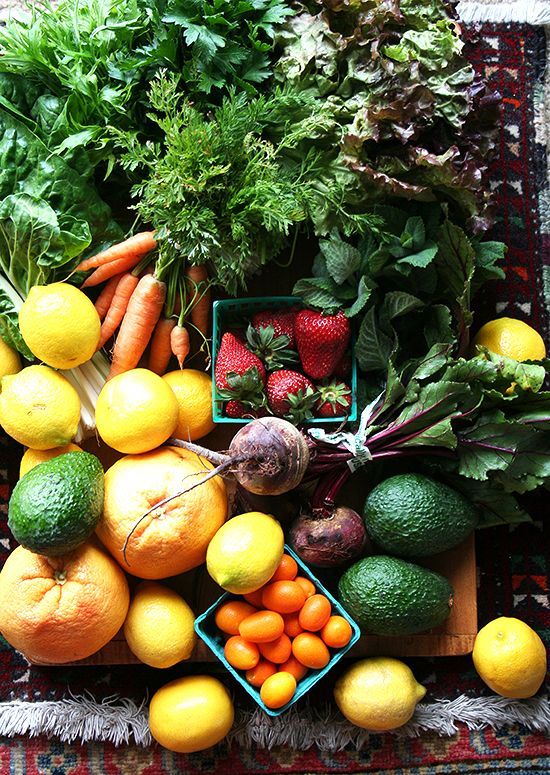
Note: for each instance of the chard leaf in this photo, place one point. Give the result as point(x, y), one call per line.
point(490, 368)
point(439, 434)
point(495, 506)
point(9, 324)
point(491, 445)
point(434, 360)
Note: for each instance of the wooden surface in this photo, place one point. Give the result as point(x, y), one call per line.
point(453, 638)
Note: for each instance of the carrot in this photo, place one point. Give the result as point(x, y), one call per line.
point(105, 298)
point(200, 304)
point(119, 303)
point(144, 310)
point(179, 342)
point(160, 351)
point(136, 246)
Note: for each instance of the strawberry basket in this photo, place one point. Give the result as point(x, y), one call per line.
point(229, 313)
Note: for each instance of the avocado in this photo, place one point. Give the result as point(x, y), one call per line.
point(388, 596)
point(57, 504)
point(411, 515)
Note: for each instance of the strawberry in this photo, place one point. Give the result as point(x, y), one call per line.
point(322, 341)
point(334, 399)
point(235, 358)
point(291, 395)
point(272, 349)
point(240, 409)
point(281, 320)
point(343, 367)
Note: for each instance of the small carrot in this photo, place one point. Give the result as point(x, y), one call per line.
point(179, 342)
point(106, 271)
point(136, 246)
point(199, 290)
point(126, 286)
point(144, 310)
point(160, 351)
point(105, 298)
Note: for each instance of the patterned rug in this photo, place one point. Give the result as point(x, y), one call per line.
point(514, 564)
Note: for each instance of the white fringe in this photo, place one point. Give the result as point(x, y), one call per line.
point(526, 11)
point(121, 721)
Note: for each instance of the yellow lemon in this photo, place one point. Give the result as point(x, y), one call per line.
point(159, 626)
point(191, 713)
point(378, 693)
point(510, 657)
point(511, 338)
point(245, 552)
point(10, 362)
point(193, 391)
point(39, 408)
point(32, 457)
point(60, 325)
point(136, 411)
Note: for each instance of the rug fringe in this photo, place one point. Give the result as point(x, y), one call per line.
point(523, 11)
point(121, 721)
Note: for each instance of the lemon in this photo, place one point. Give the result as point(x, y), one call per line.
point(510, 657)
point(10, 362)
point(378, 693)
point(191, 713)
point(136, 411)
point(159, 626)
point(60, 325)
point(245, 552)
point(511, 338)
point(193, 391)
point(32, 457)
point(39, 408)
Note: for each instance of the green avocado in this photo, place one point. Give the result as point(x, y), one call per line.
point(388, 596)
point(57, 504)
point(411, 515)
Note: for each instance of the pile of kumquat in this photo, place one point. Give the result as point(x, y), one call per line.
point(279, 632)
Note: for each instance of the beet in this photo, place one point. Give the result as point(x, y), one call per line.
point(330, 539)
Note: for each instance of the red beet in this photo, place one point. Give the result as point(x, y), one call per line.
point(330, 540)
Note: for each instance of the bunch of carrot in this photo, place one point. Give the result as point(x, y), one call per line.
point(133, 300)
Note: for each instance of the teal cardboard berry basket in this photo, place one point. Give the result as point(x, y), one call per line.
point(205, 627)
point(229, 313)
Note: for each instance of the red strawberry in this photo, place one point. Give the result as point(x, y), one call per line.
point(281, 320)
point(239, 409)
point(291, 395)
point(235, 358)
point(334, 400)
point(343, 367)
point(322, 340)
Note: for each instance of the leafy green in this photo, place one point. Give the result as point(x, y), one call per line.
point(415, 121)
point(227, 189)
point(9, 320)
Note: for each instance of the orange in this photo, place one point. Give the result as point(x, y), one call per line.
point(255, 598)
point(337, 632)
point(287, 570)
point(257, 675)
point(310, 650)
point(307, 585)
point(60, 609)
point(285, 597)
point(229, 615)
point(293, 667)
point(292, 624)
point(173, 538)
point(262, 627)
point(278, 689)
point(241, 654)
point(277, 651)
point(315, 613)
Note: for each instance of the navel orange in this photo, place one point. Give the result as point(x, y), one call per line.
point(174, 537)
point(60, 609)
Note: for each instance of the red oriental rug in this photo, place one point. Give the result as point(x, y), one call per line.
point(514, 563)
